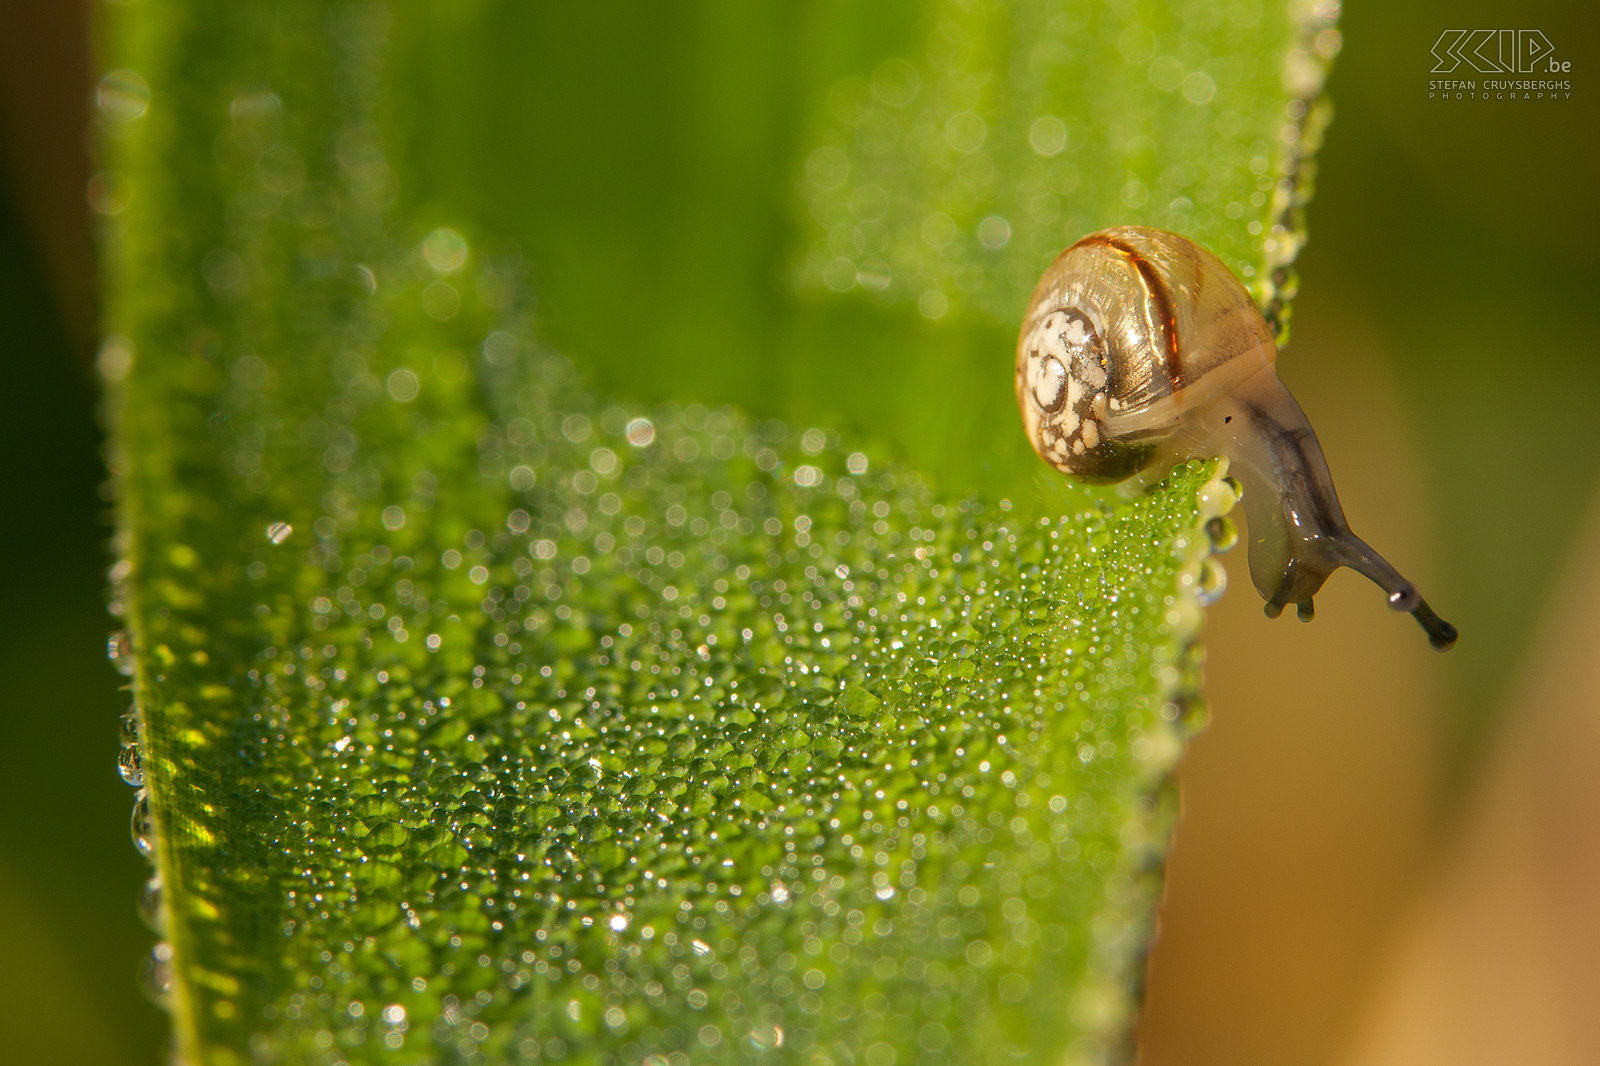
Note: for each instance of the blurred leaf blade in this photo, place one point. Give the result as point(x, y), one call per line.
point(954, 173)
point(482, 717)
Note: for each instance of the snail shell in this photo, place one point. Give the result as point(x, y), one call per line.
point(1140, 349)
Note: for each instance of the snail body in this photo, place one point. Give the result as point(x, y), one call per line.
point(1140, 349)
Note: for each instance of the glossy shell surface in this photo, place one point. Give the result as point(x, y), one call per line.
point(1127, 331)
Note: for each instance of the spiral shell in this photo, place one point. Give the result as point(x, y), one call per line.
point(1128, 330)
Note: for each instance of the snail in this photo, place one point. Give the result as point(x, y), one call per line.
point(1140, 349)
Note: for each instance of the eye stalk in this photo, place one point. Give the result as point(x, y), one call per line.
point(1141, 349)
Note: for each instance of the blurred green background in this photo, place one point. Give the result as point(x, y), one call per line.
point(1444, 345)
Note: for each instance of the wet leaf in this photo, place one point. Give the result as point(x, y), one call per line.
point(483, 718)
point(955, 173)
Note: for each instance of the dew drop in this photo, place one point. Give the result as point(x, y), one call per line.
point(119, 649)
point(279, 532)
point(994, 232)
point(1212, 583)
point(404, 385)
point(140, 827)
point(115, 359)
point(445, 250)
point(150, 905)
point(1048, 135)
point(131, 765)
point(122, 96)
point(641, 432)
point(156, 975)
point(1222, 533)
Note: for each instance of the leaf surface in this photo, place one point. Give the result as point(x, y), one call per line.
point(485, 719)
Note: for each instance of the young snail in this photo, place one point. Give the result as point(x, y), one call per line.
point(1140, 348)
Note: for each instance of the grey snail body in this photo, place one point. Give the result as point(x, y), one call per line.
point(1140, 349)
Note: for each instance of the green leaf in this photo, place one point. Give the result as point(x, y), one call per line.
point(485, 719)
point(666, 154)
point(956, 174)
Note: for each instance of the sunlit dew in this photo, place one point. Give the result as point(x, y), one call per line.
point(641, 432)
point(445, 250)
point(130, 765)
point(156, 974)
point(956, 170)
point(994, 232)
point(150, 908)
point(404, 385)
point(571, 732)
point(140, 828)
point(119, 649)
point(739, 749)
point(122, 95)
